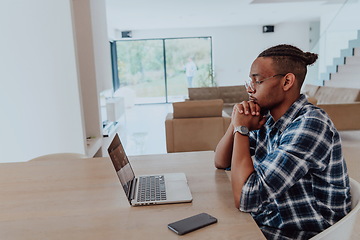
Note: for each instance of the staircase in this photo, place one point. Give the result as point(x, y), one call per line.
point(345, 71)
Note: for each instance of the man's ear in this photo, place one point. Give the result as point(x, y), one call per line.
point(289, 81)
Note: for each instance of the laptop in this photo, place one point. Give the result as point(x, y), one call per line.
point(147, 189)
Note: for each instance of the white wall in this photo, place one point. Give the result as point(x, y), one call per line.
point(234, 48)
point(94, 65)
point(39, 93)
point(102, 55)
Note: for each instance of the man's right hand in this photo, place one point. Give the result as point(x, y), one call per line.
point(247, 113)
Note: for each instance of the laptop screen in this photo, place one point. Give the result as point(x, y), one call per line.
point(121, 164)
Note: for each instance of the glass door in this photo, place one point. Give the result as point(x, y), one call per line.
point(141, 70)
point(161, 70)
point(188, 64)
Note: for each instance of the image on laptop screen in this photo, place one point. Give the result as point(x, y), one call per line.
point(122, 166)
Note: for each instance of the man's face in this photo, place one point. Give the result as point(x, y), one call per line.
point(268, 93)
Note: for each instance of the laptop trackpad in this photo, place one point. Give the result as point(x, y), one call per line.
point(177, 187)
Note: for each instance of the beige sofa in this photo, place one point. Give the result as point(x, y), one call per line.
point(195, 125)
point(229, 94)
point(341, 104)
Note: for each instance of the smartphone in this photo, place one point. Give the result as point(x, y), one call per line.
point(193, 223)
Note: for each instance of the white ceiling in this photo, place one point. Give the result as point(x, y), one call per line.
point(157, 14)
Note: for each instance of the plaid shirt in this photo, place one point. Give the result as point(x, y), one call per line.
point(300, 184)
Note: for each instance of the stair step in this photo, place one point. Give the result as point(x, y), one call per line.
point(341, 83)
point(357, 51)
point(353, 60)
point(325, 76)
point(349, 68)
point(345, 77)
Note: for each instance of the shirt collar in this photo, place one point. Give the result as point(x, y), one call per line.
point(289, 115)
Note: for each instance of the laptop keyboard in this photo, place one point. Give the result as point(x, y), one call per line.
point(151, 188)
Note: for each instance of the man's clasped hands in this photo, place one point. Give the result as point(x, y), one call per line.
point(248, 113)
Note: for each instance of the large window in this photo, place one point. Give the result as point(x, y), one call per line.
point(161, 70)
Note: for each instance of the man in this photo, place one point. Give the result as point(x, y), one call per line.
point(285, 154)
point(190, 70)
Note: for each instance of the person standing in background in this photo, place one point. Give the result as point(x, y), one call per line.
point(190, 70)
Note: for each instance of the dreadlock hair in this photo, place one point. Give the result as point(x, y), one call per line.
point(290, 59)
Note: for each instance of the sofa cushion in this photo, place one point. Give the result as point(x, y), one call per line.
point(310, 90)
point(233, 94)
point(203, 93)
point(312, 100)
point(344, 116)
point(198, 108)
point(189, 134)
point(331, 95)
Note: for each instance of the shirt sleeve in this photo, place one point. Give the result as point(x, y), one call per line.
point(304, 145)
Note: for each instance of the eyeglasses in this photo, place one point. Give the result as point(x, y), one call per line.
point(251, 84)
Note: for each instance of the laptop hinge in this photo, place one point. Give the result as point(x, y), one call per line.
point(133, 188)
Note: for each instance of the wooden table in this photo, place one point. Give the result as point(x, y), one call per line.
point(83, 199)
